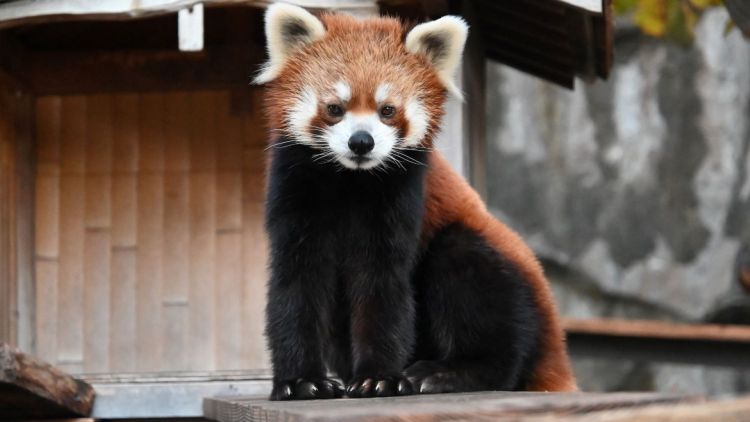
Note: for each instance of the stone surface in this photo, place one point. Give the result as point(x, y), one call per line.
point(635, 192)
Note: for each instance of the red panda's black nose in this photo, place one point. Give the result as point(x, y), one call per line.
point(361, 143)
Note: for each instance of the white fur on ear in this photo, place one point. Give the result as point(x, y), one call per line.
point(442, 42)
point(288, 28)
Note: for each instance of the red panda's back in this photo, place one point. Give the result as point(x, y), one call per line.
point(449, 200)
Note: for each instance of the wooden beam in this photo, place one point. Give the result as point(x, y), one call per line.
point(485, 406)
point(651, 341)
point(475, 105)
point(30, 11)
point(658, 329)
point(71, 72)
point(30, 388)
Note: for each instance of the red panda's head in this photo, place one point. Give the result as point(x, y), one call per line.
point(358, 90)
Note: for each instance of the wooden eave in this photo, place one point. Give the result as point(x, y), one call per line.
point(23, 12)
point(556, 40)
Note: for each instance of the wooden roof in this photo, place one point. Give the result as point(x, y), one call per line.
point(553, 40)
point(556, 40)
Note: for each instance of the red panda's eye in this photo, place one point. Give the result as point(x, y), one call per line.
point(387, 111)
point(335, 110)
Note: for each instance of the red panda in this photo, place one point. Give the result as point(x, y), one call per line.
point(386, 268)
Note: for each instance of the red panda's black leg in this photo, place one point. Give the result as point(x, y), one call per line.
point(295, 316)
point(478, 327)
point(382, 327)
point(301, 292)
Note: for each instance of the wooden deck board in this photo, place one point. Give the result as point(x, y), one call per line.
point(439, 407)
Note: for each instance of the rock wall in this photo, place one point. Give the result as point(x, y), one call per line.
point(636, 191)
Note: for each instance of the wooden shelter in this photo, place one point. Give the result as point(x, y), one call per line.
point(131, 173)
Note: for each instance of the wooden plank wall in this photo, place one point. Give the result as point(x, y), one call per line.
point(150, 253)
point(7, 182)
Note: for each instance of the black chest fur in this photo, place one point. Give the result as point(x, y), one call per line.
point(349, 214)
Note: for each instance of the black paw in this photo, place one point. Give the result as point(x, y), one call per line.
point(378, 386)
point(307, 389)
point(431, 377)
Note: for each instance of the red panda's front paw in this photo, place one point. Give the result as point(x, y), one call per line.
point(379, 386)
point(432, 377)
point(305, 389)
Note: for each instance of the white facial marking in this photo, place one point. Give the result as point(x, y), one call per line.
point(381, 93)
point(302, 113)
point(418, 122)
point(338, 139)
point(343, 91)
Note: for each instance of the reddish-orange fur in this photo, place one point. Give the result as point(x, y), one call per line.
point(364, 54)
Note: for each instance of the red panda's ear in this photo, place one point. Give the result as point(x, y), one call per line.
point(442, 42)
point(288, 28)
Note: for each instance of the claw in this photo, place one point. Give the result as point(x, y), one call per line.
point(379, 387)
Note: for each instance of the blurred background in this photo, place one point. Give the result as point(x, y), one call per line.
point(635, 191)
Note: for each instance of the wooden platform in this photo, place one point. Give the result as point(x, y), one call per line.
point(484, 406)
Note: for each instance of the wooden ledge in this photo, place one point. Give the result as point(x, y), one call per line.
point(484, 406)
point(652, 341)
point(658, 330)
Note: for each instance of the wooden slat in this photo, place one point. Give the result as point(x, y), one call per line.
point(100, 134)
point(176, 246)
point(202, 247)
point(47, 177)
point(149, 330)
point(46, 225)
point(203, 140)
point(7, 180)
point(97, 253)
point(125, 146)
point(73, 135)
point(72, 211)
point(46, 272)
point(228, 270)
point(254, 249)
point(124, 232)
point(22, 319)
point(229, 318)
point(228, 134)
point(96, 329)
point(202, 228)
point(30, 388)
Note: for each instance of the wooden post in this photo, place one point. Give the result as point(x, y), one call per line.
point(474, 111)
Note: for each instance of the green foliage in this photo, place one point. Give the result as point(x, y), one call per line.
point(671, 19)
